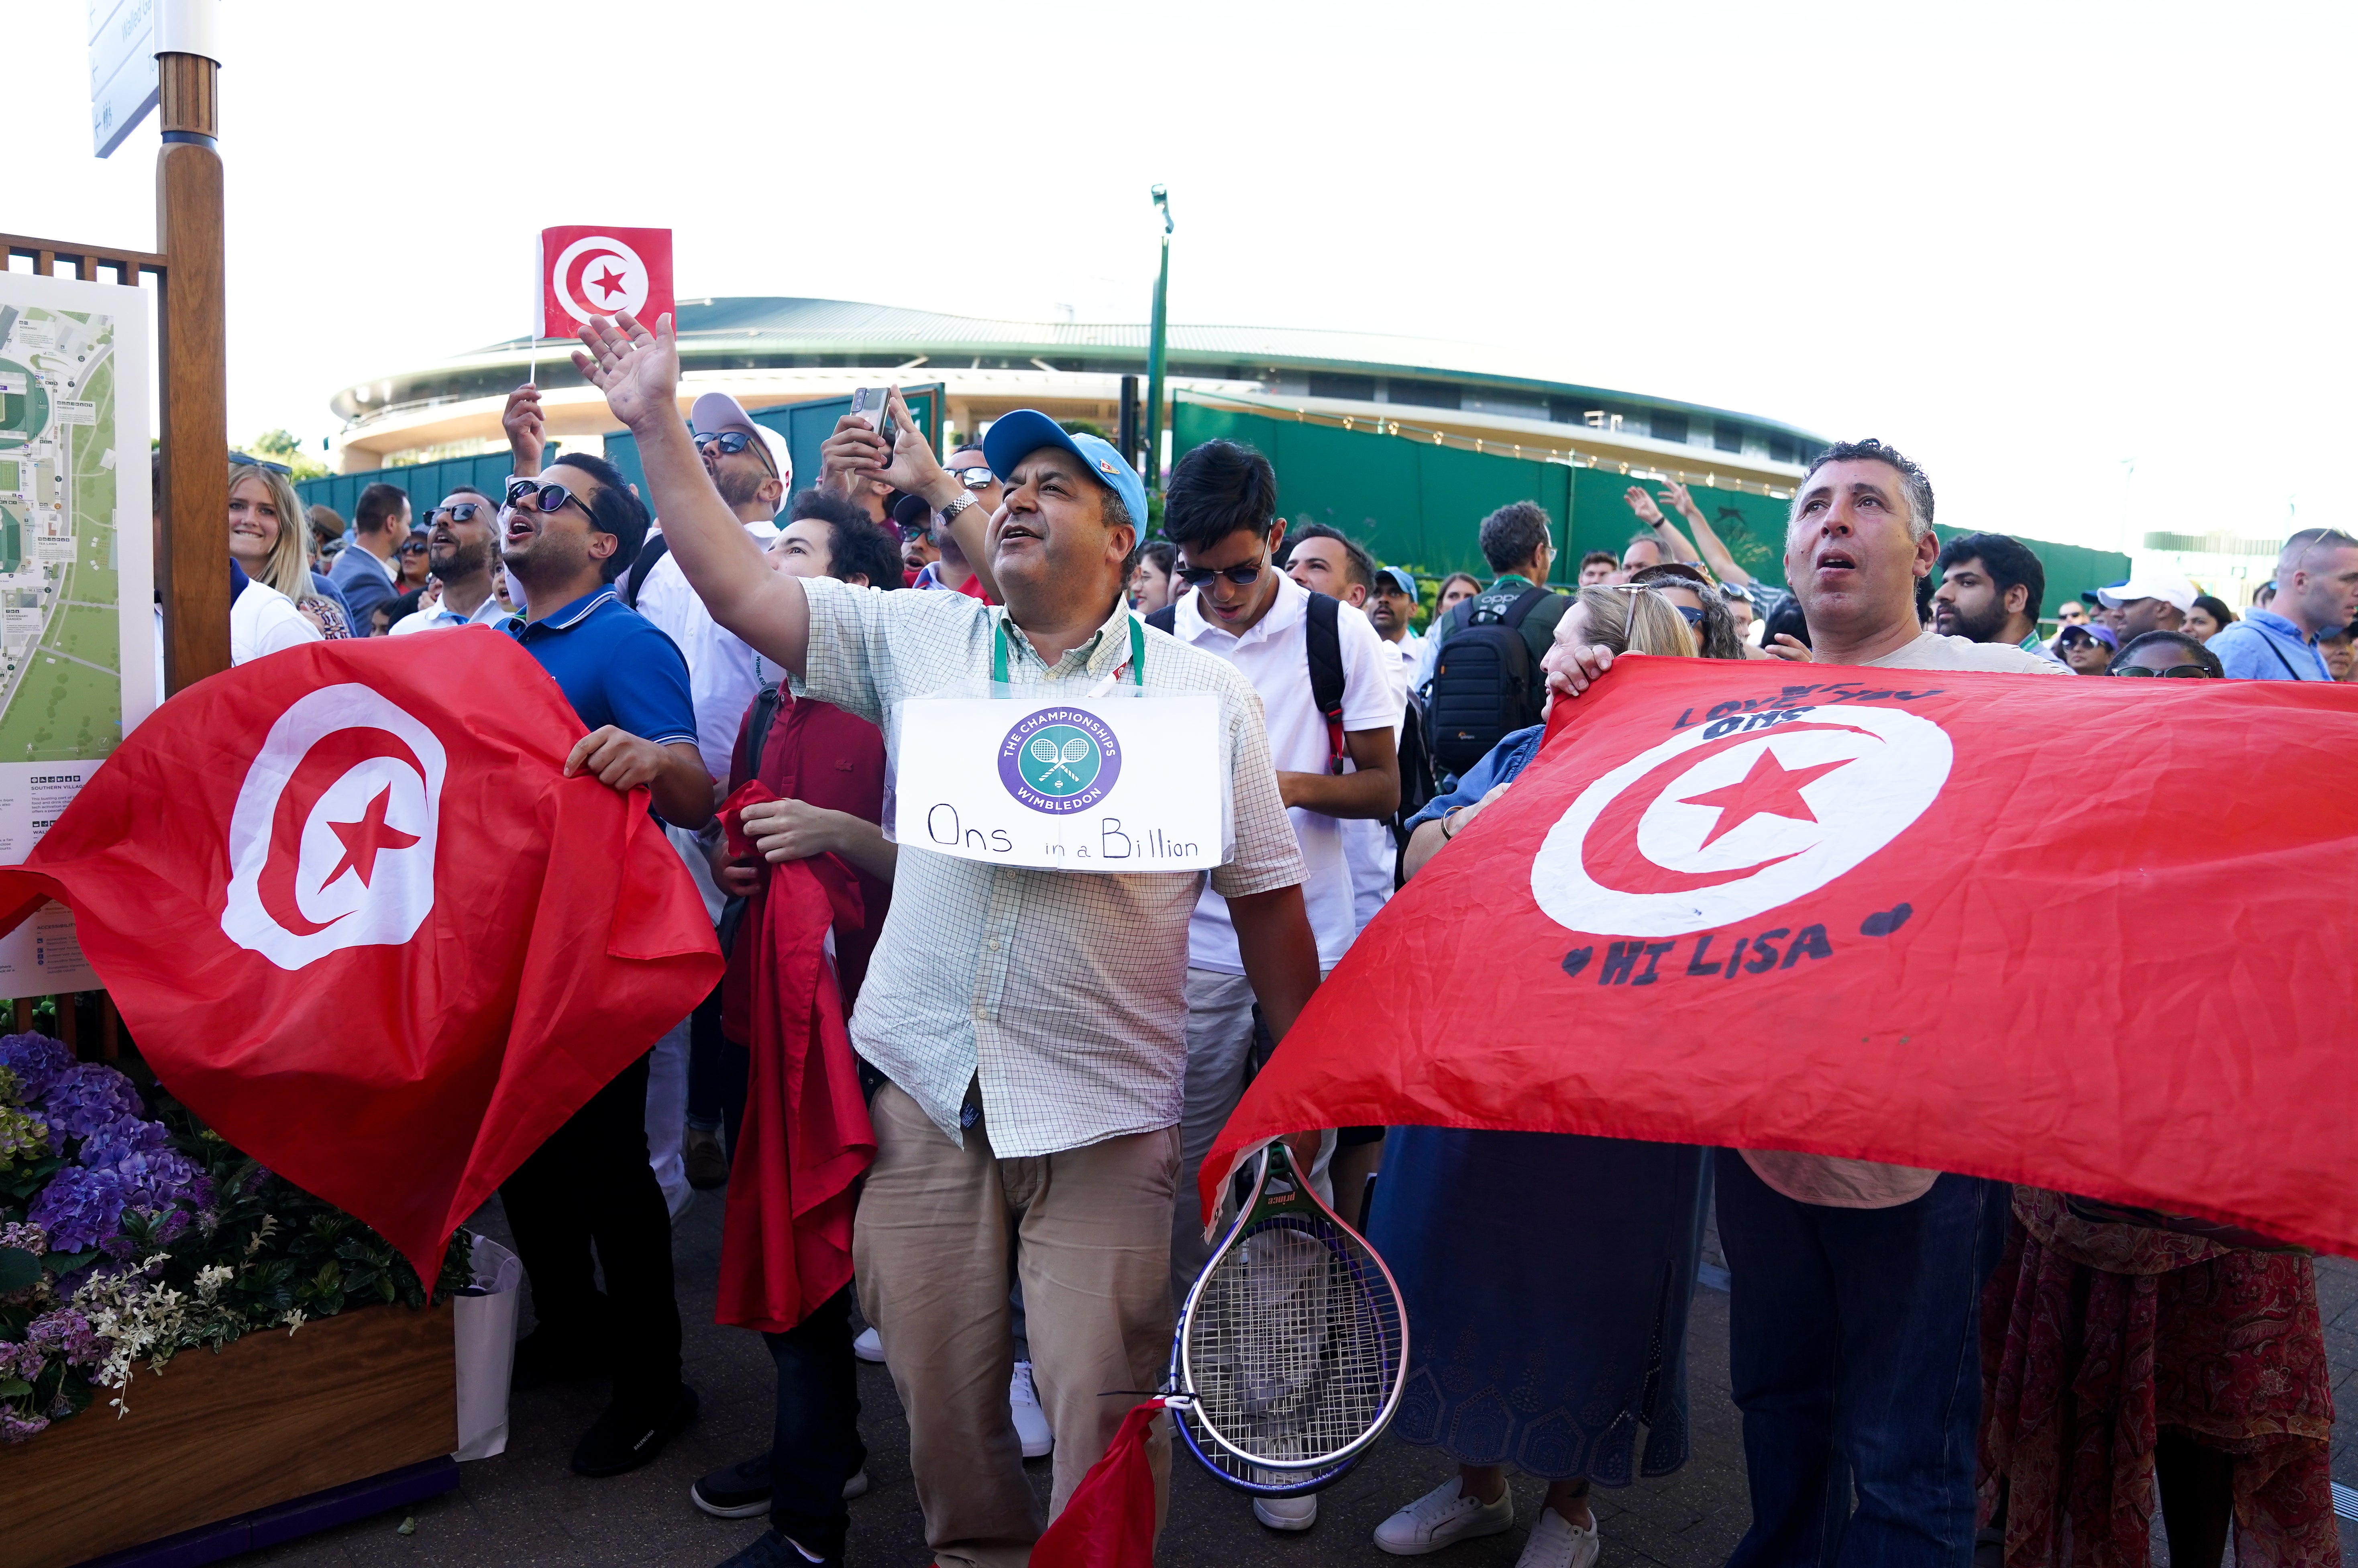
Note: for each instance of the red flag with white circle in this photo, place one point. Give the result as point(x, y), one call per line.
point(359, 921)
point(2082, 934)
point(587, 270)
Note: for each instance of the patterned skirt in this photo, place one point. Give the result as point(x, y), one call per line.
point(1547, 1278)
point(2097, 1338)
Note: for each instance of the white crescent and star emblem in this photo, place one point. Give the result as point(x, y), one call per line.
point(597, 274)
point(331, 842)
point(1705, 831)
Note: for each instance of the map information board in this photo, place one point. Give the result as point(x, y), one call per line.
point(76, 670)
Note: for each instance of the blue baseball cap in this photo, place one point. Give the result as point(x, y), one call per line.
point(1400, 580)
point(1014, 436)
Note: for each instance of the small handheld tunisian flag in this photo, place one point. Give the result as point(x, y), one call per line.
point(2090, 934)
point(588, 271)
point(360, 921)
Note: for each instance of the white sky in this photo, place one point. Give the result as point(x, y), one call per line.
point(2025, 243)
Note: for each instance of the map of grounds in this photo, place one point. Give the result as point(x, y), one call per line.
point(59, 695)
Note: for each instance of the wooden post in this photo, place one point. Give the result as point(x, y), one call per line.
point(193, 567)
point(110, 1029)
point(69, 1021)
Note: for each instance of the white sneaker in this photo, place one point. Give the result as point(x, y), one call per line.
point(855, 1488)
point(869, 1346)
point(1442, 1517)
point(1031, 1421)
point(1287, 1513)
point(1557, 1542)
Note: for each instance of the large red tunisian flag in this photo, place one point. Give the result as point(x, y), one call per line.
point(2086, 933)
point(586, 271)
point(360, 921)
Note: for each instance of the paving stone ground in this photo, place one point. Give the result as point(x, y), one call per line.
point(526, 1509)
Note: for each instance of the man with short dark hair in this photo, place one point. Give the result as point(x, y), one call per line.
point(1516, 542)
point(568, 533)
point(364, 572)
point(1598, 567)
point(1855, 1314)
point(1991, 587)
point(1323, 560)
point(1028, 1122)
point(2316, 587)
point(462, 550)
point(1219, 510)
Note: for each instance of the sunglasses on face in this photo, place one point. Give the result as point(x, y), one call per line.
point(1243, 577)
point(732, 442)
point(414, 547)
point(1693, 616)
point(974, 478)
point(457, 512)
point(242, 460)
point(547, 497)
point(2175, 672)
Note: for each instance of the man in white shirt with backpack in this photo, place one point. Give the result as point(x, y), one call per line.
point(1330, 705)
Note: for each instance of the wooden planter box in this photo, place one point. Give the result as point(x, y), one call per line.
point(270, 1417)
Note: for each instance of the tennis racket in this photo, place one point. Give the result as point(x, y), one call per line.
point(1292, 1347)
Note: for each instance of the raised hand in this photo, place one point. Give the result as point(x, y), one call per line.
point(522, 420)
point(1676, 494)
point(853, 453)
point(637, 370)
point(914, 467)
point(1640, 502)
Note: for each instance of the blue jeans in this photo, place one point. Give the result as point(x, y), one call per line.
point(815, 1445)
point(1855, 1353)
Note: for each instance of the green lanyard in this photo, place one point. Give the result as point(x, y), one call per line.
point(998, 653)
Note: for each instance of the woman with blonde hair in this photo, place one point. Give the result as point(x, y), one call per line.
point(1574, 1339)
point(268, 528)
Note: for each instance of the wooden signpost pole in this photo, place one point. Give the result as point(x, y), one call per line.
point(192, 569)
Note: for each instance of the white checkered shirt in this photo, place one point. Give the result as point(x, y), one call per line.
point(1082, 1037)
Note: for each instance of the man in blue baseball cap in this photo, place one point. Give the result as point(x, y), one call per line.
point(1031, 1024)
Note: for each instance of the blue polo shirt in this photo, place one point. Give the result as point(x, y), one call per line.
point(614, 667)
point(2263, 646)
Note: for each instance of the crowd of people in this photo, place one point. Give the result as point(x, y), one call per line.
point(1923, 1361)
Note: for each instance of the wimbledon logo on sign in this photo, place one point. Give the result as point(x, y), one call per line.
point(1059, 760)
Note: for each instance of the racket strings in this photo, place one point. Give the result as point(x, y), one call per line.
point(1294, 1349)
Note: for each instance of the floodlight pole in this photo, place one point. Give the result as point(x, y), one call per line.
point(1156, 333)
point(193, 568)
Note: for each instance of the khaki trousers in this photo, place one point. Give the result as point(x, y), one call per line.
point(1089, 1230)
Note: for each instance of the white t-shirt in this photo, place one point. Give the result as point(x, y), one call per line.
point(1273, 656)
point(263, 621)
point(1367, 844)
point(1829, 1180)
point(720, 675)
point(442, 616)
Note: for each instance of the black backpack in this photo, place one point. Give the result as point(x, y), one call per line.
point(636, 576)
point(1484, 685)
point(1324, 652)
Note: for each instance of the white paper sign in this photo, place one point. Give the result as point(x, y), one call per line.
point(1119, 785)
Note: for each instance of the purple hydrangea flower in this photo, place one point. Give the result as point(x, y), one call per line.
point(35, 1060)
point(155, 1177)
point(79, 1207)
point(86, 1097)
point(14, 1428)
point(66, 1333)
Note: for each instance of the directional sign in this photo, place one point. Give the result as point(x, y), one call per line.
point(122, 69)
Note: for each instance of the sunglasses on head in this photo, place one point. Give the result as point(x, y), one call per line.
point(242, 460)
point(2175, 672)
point(457, 512)
point(545, 497)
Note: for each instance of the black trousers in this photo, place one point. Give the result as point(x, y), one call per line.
point(590, 1185)
point(814, 1447)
